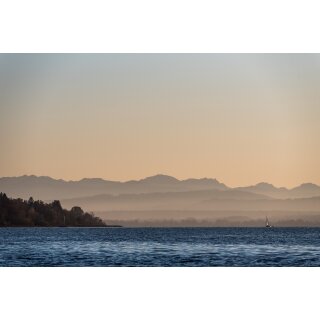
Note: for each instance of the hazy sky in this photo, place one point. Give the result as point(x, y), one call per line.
point(240, 118)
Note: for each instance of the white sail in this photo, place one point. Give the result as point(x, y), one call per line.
point(267, 223)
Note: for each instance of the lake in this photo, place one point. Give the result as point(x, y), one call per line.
point(194, 247)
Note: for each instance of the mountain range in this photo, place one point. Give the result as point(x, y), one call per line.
point(49, 189)
point(165, 197)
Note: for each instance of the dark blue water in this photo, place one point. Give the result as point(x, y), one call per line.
point(159, 247)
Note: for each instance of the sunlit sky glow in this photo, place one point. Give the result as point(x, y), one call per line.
point(240, 118)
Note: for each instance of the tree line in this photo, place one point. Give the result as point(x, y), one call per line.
point(30, 213)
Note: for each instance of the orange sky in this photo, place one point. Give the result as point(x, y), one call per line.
point(241, 118)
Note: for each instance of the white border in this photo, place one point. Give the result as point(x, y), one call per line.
point(159, 26)
point(159, 293)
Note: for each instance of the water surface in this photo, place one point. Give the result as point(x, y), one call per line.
point(159, 247)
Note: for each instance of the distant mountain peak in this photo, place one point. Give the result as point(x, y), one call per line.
point(265, 185)
point(34, 177)
point(308, 185)
point(160, 178)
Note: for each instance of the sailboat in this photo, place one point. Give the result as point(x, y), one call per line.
point(268, 225)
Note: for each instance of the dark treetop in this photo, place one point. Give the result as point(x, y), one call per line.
point(21, 213)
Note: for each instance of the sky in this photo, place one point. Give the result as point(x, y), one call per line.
point(239, 118)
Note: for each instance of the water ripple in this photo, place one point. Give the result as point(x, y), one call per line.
point(159, 247)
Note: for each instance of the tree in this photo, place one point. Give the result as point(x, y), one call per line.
point(57, 205)
point(17, 212)
point(30, 201)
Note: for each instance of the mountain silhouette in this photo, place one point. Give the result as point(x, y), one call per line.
point(166, 200)
point(49, 189)
point(305, 190)
point(209, 200)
